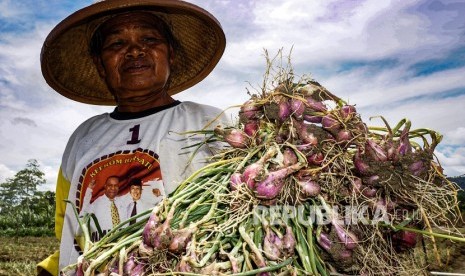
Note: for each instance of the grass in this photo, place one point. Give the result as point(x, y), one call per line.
point(20, 255)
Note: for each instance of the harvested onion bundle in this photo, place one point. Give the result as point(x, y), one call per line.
point(305, 187)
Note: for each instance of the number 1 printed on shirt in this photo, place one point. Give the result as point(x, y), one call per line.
point(135, 135)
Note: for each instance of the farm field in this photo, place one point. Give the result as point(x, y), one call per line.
point(19, 255)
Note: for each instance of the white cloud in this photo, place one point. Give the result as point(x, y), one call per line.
point(452, 159)
point(323, 33)
point(10, 9)
point(456, 136)
point(5, 173)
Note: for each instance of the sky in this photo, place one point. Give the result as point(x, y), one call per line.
point(392, 58)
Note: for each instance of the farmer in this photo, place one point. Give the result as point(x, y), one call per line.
point(135, 55)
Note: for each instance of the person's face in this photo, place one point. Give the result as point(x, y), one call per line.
point(135, 192)
point(111, 187)
point(135, 59)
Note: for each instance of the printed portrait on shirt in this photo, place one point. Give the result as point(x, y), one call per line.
point(119, 186)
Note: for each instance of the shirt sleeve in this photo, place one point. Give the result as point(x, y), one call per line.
point(50, 264)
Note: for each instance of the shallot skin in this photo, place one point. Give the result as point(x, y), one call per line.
point(297, 108)
point(180, 240)
point(149, 229)
point(347, 112)
point(324, 241)
point(272, 245)
point(348, 238)
point(251, 173)
point(309, 187)
point(405, 239)
point(235, 181)
point(289, 242)
point(236, 138)
point(249, 111)
point(272, 185)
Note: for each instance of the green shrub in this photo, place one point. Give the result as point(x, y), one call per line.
point(27, 232)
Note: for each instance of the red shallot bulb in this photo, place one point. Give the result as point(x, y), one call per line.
point(347, 112)
point(369, 191)
point(138, 270)
point(162, 236)
point(375, 151)
point(272, 185)
point(356, 185)
point(251, 128)
point(289, 242)
point(348, 238)
point(324, 241)
point(235, 181)
point(284, 110)
point(181, 238)
point(309, 187)
point(330, 123)
point(249, 111)
point(297, 108)
point(316, 158)
point(251, 172)
point(289, 157)
point(149, 228)
point(362, 167)
point(417, 168)
point(272, 245)
point(308, 134)
point(404, 146)
point(344, 135)
point(235, 137)
point(315, 105)
point(312, 119)
point(404, 239)
point(257, 169)
point(129, 264)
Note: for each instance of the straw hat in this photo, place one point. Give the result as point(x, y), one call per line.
point(68, 68)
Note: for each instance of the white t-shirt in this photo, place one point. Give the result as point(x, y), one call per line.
point(150, 147)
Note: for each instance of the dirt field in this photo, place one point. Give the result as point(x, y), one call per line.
point(19, 255)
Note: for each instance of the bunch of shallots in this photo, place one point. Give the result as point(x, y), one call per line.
point(304, 187)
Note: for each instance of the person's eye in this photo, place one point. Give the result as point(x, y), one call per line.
point(114, 44)
point(152, 40)
point(117, 43)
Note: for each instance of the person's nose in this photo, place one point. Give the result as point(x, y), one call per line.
point(135, 50)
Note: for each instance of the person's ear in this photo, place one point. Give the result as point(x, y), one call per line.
point(100, 68)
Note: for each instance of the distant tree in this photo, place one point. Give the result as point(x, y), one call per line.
point(20, 188)
point(8, 195)
point(22, 205)
point(43, 204)
point(28, 179)
point(461, 200)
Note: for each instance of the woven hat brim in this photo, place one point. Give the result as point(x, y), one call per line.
point(68, 67)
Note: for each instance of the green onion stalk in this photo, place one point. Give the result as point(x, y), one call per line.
point(302, 187)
